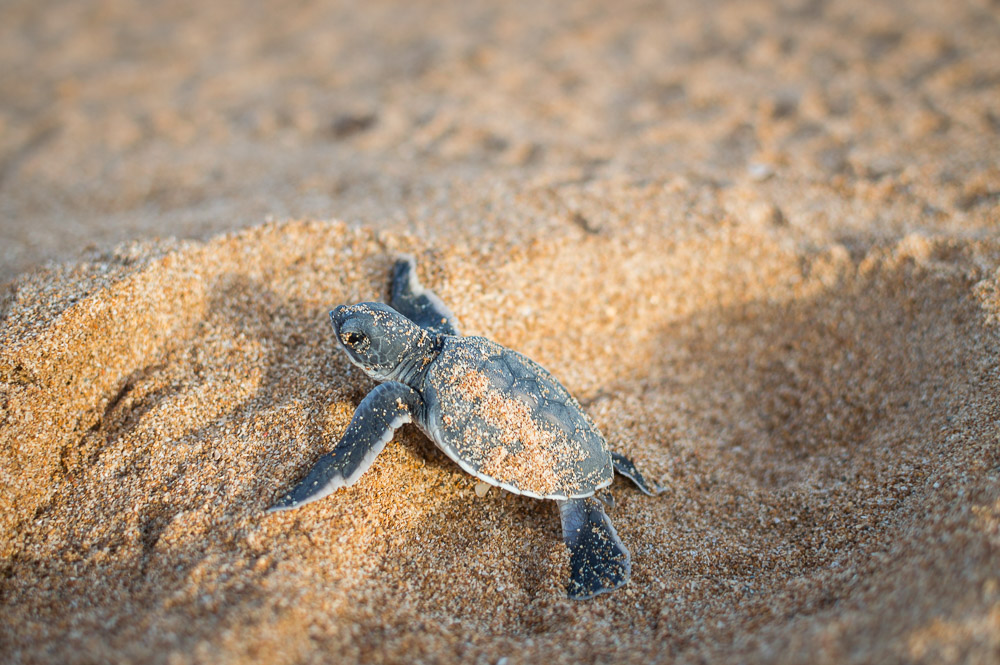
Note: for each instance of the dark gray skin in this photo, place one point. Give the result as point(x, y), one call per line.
point(414, 349)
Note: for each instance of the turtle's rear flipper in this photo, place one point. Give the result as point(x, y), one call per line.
point(598, 560)
point(386, 408)
point(626, 467)
point(416, 303)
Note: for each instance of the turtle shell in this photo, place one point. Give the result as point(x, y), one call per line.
point(503, 418)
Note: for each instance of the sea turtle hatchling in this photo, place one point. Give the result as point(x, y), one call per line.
point(499, 415)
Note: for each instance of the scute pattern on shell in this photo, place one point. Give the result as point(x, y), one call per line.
point(505, 418)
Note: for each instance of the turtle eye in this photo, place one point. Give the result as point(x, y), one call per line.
point(354, 340)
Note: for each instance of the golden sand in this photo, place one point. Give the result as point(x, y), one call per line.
point(757, 240)
point(825, 425)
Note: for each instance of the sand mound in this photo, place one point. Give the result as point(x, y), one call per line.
point(825, 419)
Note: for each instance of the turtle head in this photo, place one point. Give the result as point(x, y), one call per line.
point(383, 342)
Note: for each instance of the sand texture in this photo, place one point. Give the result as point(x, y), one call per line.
point(757, 241)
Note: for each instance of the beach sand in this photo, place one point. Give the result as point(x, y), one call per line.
point(764, 258)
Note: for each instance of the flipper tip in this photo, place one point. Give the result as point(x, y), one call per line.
point(283, 504)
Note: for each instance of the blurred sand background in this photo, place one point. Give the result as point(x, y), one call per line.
point(758, 240)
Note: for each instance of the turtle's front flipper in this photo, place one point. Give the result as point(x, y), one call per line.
point(626, 467)
point(598, 560)
point(384, 410)
point(416, 303)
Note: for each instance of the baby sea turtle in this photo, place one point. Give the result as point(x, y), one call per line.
point(499, 415)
